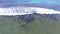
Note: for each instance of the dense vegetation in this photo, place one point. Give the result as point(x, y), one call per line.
point(39, 25)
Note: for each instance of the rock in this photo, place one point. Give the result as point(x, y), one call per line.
point(26, 18)
point(52, 16)
point(58, 17)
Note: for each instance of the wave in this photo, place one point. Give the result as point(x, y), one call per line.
point(21, 10)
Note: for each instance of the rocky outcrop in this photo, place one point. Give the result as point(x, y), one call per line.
point(26, 18)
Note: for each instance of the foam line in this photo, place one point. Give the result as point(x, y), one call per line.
point(26, 10)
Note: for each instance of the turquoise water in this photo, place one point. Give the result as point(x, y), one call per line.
point(56, 2)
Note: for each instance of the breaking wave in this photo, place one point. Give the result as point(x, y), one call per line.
point(21, 10)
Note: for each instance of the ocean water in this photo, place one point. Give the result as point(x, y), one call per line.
point(31, 22)
point(33, 1)
point(50, 4)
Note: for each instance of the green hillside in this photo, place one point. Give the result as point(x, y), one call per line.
point(11, 25)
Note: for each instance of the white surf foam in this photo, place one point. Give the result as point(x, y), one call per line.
point(20, 10)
